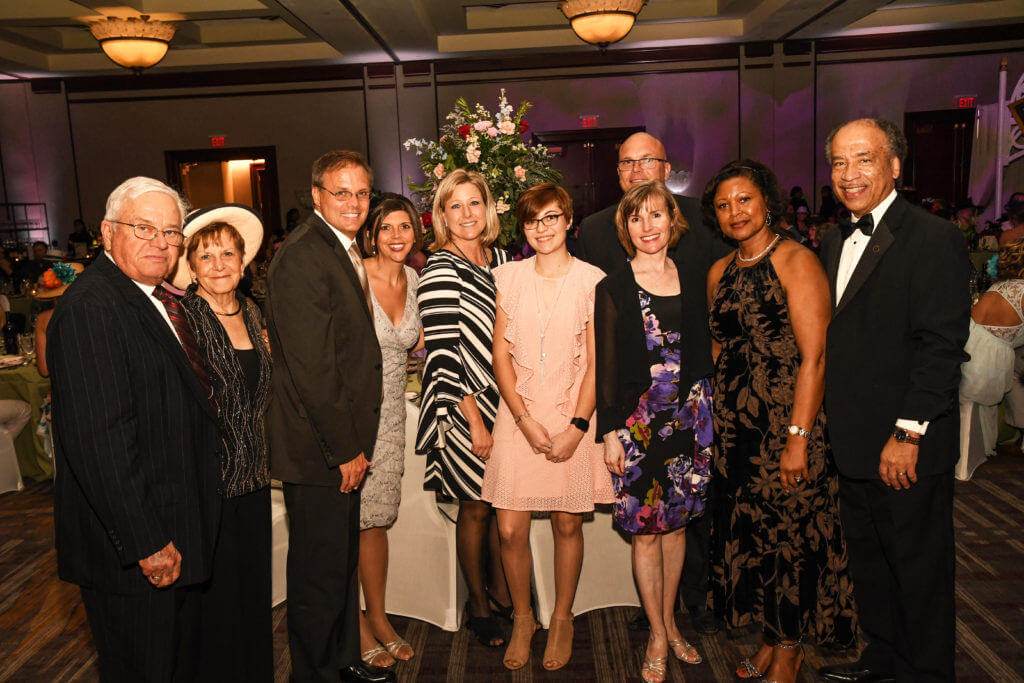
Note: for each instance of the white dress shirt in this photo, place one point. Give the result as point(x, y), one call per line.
point(345, 240)
point(853, 249)
point(148, 291)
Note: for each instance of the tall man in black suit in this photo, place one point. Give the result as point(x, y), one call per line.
point(323, 415)
point(135, 439)
point(642, 157)
point(899, 279)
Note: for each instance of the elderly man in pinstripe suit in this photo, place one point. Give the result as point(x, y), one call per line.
point(135, 441)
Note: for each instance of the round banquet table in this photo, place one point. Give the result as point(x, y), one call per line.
point(26, 384)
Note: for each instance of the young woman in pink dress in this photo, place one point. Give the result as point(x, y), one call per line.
point(545, 455)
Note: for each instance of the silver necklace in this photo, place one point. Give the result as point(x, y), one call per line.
point(551, 312)
point(763, 252)
point(486, 267)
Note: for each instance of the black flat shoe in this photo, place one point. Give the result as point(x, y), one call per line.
point(500, 610)
point(704, 623)
point(853, 672)
point(367, 673)
point(486, 629)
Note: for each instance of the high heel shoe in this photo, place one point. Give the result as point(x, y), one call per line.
point(747, 671)
point(656, 666)
point(690, 654)
point(559, 647)
point(799, 658)
point(518, 652)
point(395, 646)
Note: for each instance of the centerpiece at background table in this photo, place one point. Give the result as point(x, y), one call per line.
point(491, 144)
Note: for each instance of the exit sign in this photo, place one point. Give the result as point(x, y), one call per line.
point(589, 121)
point(965, 101)
point(217, 140)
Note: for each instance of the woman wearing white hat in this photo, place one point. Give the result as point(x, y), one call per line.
point(236, 635)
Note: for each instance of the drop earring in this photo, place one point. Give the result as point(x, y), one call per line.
point(769, 218)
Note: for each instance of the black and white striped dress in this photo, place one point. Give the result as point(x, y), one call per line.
point(456, 302)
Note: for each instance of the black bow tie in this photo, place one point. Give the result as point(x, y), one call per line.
point(866, 225)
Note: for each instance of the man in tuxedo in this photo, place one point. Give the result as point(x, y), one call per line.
point(323, 415)
point(136, 445)
point(642, 157)
point(899, 279)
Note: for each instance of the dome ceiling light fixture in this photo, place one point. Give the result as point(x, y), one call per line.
point(135, 43)
point(601, 22)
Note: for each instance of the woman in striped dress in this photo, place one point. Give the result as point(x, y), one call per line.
point(460, 397)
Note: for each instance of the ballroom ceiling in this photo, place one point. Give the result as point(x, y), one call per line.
point(45, 38)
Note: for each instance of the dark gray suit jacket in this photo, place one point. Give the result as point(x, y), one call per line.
point(896, 340)
point(135, 438)
point(326, 382)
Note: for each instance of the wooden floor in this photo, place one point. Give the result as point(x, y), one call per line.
point(44, 635)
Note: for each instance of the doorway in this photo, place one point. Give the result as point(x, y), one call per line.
point(938, 160)
point(237, 175)
point(587, 158)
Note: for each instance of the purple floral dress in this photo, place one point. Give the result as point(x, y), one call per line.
point(667, 440)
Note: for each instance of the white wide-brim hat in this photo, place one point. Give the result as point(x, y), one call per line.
point(241, 217)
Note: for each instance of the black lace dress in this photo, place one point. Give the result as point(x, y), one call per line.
point(778, 559)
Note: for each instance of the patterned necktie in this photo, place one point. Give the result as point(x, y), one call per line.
point(866, 225)
point(184, 332)
point(357, 263)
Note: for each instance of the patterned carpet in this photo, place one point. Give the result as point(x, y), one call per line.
point(44, 635)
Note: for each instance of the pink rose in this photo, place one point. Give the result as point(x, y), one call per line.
point(472, 154)
point(520, 173)
point(481, 126)
point(439, 171)
point(492, 131)
point(507, 127)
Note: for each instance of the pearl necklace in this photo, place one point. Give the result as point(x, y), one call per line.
point(763, 252)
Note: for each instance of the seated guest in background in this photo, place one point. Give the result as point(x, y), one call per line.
point(654, 408)
point(236, 634)
point(827, 208)
point(32, 269)
point(901, 312)
point(80, 239)
point(778, 554)
point(796, 198)
point(545, 455)
point(642, 158)
point(1012, 232)
point(393, 230)
point(460, 398)
point(323, 415)
point(996, 334)
point(138, 540)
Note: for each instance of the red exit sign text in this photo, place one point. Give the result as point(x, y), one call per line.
point(217, 140)
point(589, 121)
point(965, 101)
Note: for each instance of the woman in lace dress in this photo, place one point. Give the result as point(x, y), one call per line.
point(545, 456)
point(997, 332)
point(777, 550)
point(460, 398)
point(393, 231)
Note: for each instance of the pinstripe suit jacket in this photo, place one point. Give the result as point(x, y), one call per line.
point(136, 442)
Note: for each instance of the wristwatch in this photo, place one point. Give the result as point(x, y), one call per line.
point(903, 436)
point(798, 431)
point(580, 424)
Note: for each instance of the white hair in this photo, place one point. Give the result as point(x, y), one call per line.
point(132, 188)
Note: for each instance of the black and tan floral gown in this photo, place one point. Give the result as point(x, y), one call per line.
point(778, 559)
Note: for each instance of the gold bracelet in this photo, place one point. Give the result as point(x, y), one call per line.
point(519, 418)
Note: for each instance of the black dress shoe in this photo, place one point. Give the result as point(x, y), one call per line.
point(853, 671)
point(704, 622)
point(639, 621)
point(368, 673)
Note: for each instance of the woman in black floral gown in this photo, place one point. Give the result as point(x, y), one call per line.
point(778, 554)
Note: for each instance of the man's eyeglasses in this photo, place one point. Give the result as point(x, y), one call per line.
point(645, 163)
point(549, 220)
point(148, 233)
point(346, 195)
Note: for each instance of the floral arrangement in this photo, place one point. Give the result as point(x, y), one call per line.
point(491, 144)
point(58, 275)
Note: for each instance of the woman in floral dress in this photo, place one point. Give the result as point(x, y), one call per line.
point(653, 414)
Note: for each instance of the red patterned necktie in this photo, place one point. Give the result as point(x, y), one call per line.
point(184, 332)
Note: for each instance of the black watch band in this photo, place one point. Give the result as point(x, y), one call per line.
point(580, 424)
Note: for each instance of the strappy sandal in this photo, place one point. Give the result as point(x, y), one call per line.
point(690, 654)
point(656, 666)
point(503, 611)
point(799, 657)
point(518, 652)
point(747, 671)
point(559, 647)
point(395, 646)
point(371, 655)
point(486, 629)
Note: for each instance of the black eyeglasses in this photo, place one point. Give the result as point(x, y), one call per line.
point(149, 233)
point(347, 195)
point(548, 221)
point(645, 163)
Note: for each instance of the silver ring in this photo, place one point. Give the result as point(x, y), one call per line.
point(798, 479)
point(902, 474)
point(156, 577)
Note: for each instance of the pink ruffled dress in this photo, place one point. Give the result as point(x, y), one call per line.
point(516, 478)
